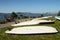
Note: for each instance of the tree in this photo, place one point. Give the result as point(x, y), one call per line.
point(58, 13)
point(13, 15)
point(41, 15)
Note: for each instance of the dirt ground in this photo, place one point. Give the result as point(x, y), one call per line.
point(10, 23)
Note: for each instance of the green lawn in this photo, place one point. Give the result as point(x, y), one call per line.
point(56, 36)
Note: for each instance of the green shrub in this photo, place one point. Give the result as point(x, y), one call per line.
point(2, 21)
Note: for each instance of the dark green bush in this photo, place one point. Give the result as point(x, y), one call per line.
point(2, 21)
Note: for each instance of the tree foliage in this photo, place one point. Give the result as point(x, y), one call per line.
point(58, 13)
point(41, 15)
point(13, 15)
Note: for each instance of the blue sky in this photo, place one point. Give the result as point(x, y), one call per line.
point(29, 6)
